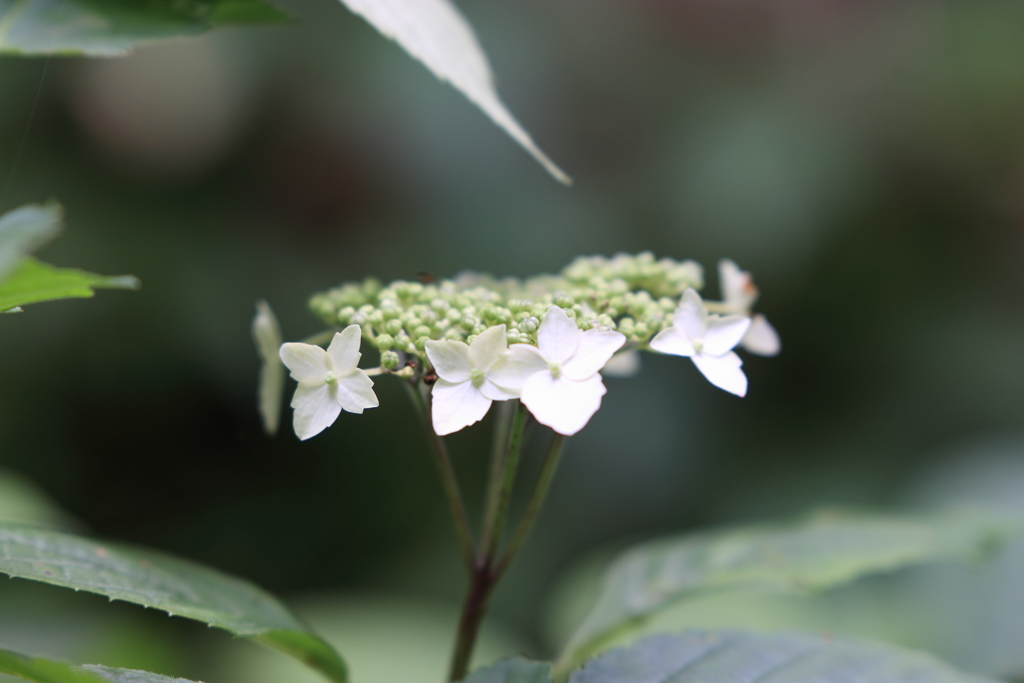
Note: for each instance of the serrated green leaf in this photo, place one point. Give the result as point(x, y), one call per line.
point(512, 670)
point(106, 28)
point(24, 230)
point(435, 33)
point(160, 581)
point(820, 552)
point(728, 656)
point(34, 281)
point(42, 670)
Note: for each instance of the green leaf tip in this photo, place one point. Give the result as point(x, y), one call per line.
point(34, 281)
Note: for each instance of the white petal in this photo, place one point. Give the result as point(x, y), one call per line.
point(672, 340)
point(450, 359)
point(562, 404)
point(455, 406)
point(488, 347)
point(315, 410)
point(307, 363)
point(344, 349)
point(761, 338)
point(522, 362)
point(354, 392)
point(691, 318)
point(267, 335)
point(724, 333)
point(623, 365)
point(496, 393)
point(725, 372)
point(737, 286)
point(596, 347)
point(558, 336)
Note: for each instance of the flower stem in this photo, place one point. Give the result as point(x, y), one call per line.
point(483, 578)
point(500, 496)
point(448, 479)
point(540, 492)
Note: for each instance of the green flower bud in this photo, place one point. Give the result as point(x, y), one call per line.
point(469, 322)
point(454, 334)
point(357, 319)
point(439, 305)
point(389, 360)
point(376, 319)
point(584, 325)
point(390, 312)
point(453, 315)
point(606, 320)
point(470, 338)
point(489, 314)
point(345, 315)
point(421, 343)
point(421, 331)
point(564, 301)
point(512, 337)
point(427, 316)
point(479, 329)
point(640, 332)
point(529, 325)
point(385, 341)
point(393, 326)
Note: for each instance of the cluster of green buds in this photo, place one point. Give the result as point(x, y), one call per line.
point(632, 294)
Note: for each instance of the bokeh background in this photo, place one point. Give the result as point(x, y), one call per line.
point(864, 160)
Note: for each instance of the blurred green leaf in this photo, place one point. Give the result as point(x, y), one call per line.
point(514, 670)
point(266, 333)
point(49, 671)
point(822, 551)
point(128, 675)
point(46, 670)
point(23, 501)
point(34, 281)
point(24, 230)
point(727, 656)
point(153, 579)
point(105, 28)
point(436, 33)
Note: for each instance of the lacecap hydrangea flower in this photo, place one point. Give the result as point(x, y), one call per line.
point(329, 381)
point(475, 339)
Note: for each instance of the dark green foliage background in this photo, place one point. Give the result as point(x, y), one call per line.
point(865, 162)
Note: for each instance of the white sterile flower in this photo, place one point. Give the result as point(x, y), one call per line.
point(708, 341)
point(329, 381)
point(464, 388)
point(740, 294)
point(558, 379)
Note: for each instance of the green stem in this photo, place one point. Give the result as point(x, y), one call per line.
point(501, 497)
point(448, 479)
point(505, 413)
point(483, 578)
point(540, 492)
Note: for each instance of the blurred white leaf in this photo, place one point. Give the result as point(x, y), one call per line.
point(436, 33)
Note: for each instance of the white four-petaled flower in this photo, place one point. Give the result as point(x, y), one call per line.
point(465, 388)
point(329, 381)
point(708, 341)
point(558, 379)
point(740, 294)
